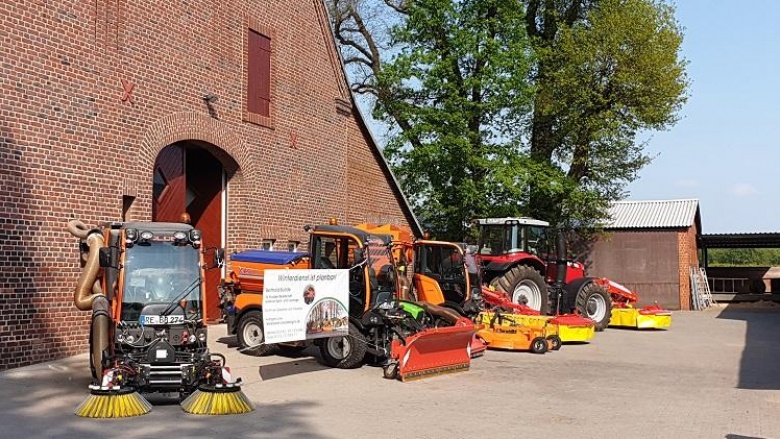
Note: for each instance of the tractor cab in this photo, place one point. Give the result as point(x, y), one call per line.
point(372, 274)
point(442, 275)
point(509, 236)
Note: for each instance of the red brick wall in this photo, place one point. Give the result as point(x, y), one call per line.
point(70, 147)
point(688, 257)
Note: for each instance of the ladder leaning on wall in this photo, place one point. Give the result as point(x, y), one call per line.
point(701, 296)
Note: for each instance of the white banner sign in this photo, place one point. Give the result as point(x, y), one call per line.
point(305, 304)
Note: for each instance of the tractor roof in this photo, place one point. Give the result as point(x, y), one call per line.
point(519, 220)
point(360, 234)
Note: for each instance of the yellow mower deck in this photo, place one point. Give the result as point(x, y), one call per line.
point(634, 318)
point(515, 331)
point(567, 333)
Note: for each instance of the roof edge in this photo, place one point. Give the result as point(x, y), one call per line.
point(416, 227)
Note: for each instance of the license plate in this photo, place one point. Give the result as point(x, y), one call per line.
point(161, 320)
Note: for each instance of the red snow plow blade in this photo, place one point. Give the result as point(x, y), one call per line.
point(434, 351)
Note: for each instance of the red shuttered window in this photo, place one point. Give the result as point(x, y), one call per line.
point(259, 74)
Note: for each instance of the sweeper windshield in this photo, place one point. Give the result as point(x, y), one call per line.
point(160, 272)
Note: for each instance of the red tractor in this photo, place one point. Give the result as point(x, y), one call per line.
point(515, 258)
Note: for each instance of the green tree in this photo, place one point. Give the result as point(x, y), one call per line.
point(605, 70)
point(457, 88)
point(454, 77)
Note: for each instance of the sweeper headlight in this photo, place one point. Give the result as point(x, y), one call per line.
point(180, 237)
point(131, 235)
point(195, 237)
point(145, 236)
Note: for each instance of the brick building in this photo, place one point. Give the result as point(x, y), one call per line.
point(236, 111)
point(651, 247)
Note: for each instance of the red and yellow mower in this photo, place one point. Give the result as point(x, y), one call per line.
point(625, 314)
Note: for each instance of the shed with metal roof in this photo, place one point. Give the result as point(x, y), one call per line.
point(651, 247)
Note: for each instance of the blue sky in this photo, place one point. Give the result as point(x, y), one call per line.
point(722, 150)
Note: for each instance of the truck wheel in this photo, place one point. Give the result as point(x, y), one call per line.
point(595, 303)
point(344, 352)
point(555, 342)
point(251, 335)
point(524, 285)
point(539, 345)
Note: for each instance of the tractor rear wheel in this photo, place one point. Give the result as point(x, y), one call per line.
point(524, 285)
point(344, 352)
point(595, 303)
point(251, 336)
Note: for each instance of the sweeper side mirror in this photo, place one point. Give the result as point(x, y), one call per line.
point(219, 258)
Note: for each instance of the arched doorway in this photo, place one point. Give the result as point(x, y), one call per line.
point(189, 178)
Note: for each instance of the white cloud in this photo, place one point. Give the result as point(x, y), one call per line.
point(689, 183)
point(742, 190)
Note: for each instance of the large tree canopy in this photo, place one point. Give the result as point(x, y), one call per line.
point(605, 71)
point(456, 78)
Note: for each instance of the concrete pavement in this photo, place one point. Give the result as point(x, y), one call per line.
point(714, 374)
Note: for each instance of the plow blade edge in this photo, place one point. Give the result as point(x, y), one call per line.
point(433, 352)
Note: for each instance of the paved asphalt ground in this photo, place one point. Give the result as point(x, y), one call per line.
point(714, 374)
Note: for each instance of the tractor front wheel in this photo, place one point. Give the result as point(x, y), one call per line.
point(344, 352)
point(595, 303)
point(251, 336)
point(526, 286)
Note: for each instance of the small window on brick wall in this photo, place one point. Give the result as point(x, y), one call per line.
point(258, 80)
point(292, 246)
point(268, 244)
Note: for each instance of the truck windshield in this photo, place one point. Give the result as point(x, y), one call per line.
point(161, 272)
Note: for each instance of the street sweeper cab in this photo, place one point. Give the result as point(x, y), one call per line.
point(144, 284)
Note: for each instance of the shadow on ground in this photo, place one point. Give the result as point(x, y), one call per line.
point(40, 402)
point(758, 366)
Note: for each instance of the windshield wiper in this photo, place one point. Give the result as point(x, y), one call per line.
point(187, 290)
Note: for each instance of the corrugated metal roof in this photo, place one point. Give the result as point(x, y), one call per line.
point(655, 214)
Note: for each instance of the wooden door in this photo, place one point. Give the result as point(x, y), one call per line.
point(204, 204)
point(170, 188)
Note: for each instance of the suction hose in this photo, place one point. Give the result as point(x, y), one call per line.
point(88, 295)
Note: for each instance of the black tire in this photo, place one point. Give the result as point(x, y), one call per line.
point(390, 371)
point(354, 344)
point(595, 303)
point(251, 336)
point(523, 276)
point(539, 345)
point(555, 341)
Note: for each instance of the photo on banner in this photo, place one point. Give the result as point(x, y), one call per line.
point(305, 304)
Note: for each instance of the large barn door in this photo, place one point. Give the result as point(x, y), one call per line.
point(170, 187)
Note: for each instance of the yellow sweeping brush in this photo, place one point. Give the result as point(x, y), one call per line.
point(217, 400)
point(114, 403)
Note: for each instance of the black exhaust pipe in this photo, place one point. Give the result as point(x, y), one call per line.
point(562, 264)
point(562, 261)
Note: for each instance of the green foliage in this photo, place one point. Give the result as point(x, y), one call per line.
point(516, 107)
point(605, 71)
point(743, 257)
point(463, 66)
